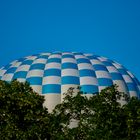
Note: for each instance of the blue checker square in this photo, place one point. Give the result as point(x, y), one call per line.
point(56, 60)
point(44, 56)
point(116, 76)
point(107, 63)
point(27, 62)
point(52, 72)
point(98, 67)
point(20, 74)
point(89, 89)
point(11, 70)
point(69, 65)
point(37, 66)
point(70, 80)
point(131, 86)
point(105, 82)
point(87, 72)
point(35, 80)
point(51, 88)
point(67, 56)
point(123, 71)
point(83, 60)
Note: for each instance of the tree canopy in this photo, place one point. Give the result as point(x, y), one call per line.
point(22, 115)
point(100, 117)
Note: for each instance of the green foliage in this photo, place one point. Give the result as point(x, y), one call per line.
point(101, 117)
point(132, 111)
point(108, 115)
point(22, 115)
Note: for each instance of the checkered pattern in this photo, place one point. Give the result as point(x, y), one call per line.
point(52, 74)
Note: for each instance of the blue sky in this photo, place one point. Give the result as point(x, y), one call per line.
point(109, 28)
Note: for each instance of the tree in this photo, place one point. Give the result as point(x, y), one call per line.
point(132, 112)
point(67, 114)
point(101, 117)
point(22, 115)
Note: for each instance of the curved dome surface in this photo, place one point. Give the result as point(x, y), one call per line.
point(51, 74)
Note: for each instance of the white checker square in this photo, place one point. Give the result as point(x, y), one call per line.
point(102, 74)
point(51, 80)
point(40, 60)
point(31, 57)
point(69, 60)
point(80, 56)
point(133, 93)
point(7, 77)
point(17, 64)
point(2, 72)
point(88, 54)
point(14, 62)
point(112, 69)
point(35, 73)
point(45, 54)
point(102, 58)
point(51, 100)
point(121, 85)
point(65, 53)
point(37, 88)
point(127, 79)
point(95, 61)
point(70, 72)
point(101, 88)
point(23, 68)
point(53, 65)
point(21, 80)
point(82, 66)
point(88, 80)
point(118, 66)
point(54, 56)
point(130, 74)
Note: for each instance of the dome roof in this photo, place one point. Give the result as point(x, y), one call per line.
point(51, 74)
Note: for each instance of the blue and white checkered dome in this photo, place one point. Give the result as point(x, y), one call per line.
point(51, 74)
